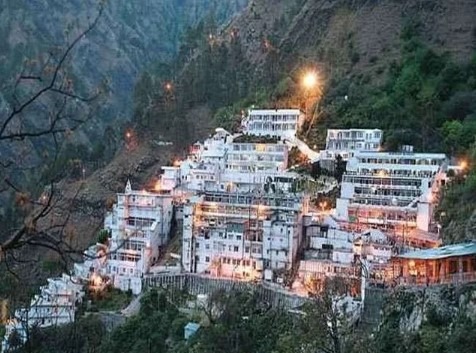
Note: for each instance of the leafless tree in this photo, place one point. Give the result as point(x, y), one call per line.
point(44, 105)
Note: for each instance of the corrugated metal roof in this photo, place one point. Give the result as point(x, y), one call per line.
point(442, 252)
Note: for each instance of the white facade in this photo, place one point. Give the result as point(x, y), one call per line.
point(346, 142)
point(395, 191)
point(140, 225)
point(222, 164)
point(55, 305)
point(280, 123)
point(94, 262)
point(239, 235)
point(337, 252)
point(251, 157)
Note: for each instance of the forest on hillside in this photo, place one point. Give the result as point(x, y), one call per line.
point(240, 322)
point(426, 100)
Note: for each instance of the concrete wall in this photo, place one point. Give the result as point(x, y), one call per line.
point(195, 284)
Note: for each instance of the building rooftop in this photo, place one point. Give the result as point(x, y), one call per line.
point(462, 249)
point(399, 154)
point(352, 129)
point(274, 111)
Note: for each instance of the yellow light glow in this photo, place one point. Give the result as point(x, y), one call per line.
point(260, 148)
point(309, 80)
point(168, 86)
point(382, 173)
point(128, 134)
point(96, 281)
point(463, 165)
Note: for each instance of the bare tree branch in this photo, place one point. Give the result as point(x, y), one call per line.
point(50, 87)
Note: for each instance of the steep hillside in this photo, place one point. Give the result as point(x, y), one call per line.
point(353, 35)
point(129, 36)
point(343, 39)
point(364, 49)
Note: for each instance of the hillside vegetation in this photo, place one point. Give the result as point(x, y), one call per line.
point(387, 64)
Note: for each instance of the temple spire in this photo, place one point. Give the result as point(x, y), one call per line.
point(128, 187)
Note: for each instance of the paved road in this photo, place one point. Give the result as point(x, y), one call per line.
point(133, 308)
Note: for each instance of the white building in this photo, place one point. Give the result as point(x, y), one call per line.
point(280, 123)
point(222, 163)
point(54, 305)
point(241, 235)
point(140, 225)
point(331, 251)
point(252, 157)
point(395, 191)
point(346, 142)
point(95, 259)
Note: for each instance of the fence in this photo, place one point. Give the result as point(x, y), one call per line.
point(199, 284)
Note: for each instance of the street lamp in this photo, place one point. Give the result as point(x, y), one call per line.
point(309, 80)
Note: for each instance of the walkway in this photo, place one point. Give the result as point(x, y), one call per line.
point(133, 308)
point(304, 148)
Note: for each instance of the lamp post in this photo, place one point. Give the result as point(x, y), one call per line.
point(310, 81)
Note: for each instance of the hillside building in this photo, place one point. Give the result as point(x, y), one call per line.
point(451, 264)
point(139, 224)
point(54, 305)
point(346, 142)
point(393, 191)
point(280, 123)
point(222, 163)
point(241, 235)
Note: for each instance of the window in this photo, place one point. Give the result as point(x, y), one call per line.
point(207, 246)
point(236, 249)
point(207, 259)
point(197, 245)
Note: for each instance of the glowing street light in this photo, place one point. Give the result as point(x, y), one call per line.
point(309, 80)
point(168, 86)
point(463, 165)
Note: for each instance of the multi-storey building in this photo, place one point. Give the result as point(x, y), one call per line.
point(224, 164)
point(54, 305)
point(395, 191)
point(139, 225)
point(346, 142)
point(252, 157)
point(281, 123)
point(241, 235)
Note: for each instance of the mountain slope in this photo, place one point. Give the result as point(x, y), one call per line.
point(269, 43)
point(330, 31)
point(130, 36)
